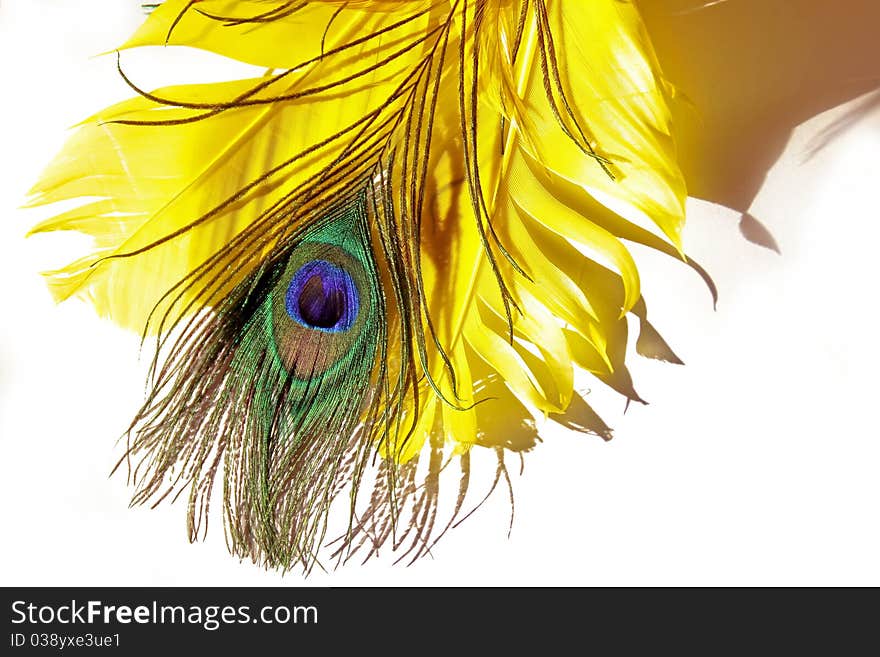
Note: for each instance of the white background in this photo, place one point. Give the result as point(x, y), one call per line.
point(754, 464)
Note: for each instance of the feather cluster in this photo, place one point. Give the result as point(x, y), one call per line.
point(398, 244)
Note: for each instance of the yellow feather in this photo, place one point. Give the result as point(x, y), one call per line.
point(623, 103)
point(608, 86)
point(510, 148)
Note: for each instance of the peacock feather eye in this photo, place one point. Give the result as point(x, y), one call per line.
point(322, 296)
point(324, 302)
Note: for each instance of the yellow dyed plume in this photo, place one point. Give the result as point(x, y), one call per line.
point(405, 238)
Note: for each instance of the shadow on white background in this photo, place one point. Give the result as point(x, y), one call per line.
point(754, 464)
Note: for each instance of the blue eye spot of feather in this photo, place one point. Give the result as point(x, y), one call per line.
point(322, 296)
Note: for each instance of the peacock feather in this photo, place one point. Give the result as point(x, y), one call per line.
point(404, 238)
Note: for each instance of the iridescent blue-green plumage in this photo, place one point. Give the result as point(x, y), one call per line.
point(279, 379)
